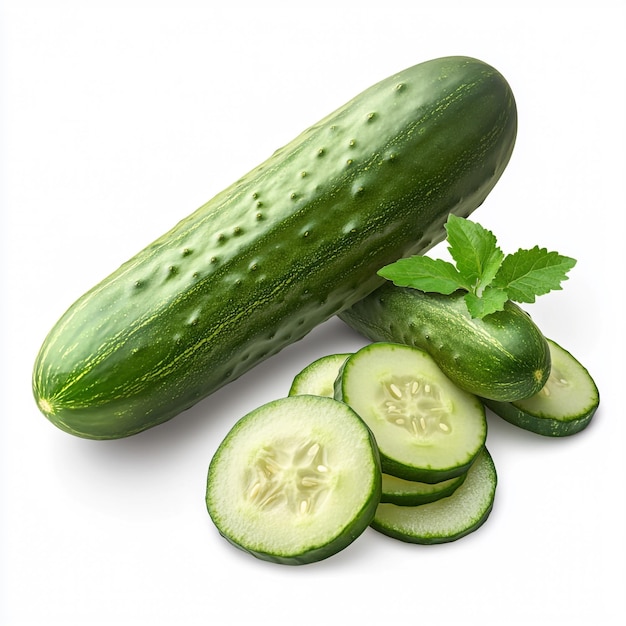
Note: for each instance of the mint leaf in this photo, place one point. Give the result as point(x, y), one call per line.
point(489, 277)
point(530, 273)
point(474, 249)
point(491, 300)
point(425, 274)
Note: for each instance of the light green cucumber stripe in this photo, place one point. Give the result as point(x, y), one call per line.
point(169, 365)
point(182, 233)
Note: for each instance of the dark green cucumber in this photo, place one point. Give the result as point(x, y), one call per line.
point(565, 404)
point(503, 356)
point(289, 245)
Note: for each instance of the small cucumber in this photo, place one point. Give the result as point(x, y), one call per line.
point(318, 378)
point(411, 493)
point(427, 429)
point(564, 406)
point(295, 481)
point(284, 248)
point(447, 519)
point(503, 356)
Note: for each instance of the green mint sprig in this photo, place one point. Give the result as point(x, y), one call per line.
point(489, 277)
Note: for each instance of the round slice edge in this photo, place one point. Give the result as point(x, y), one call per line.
point(427, 429)
point(295, 480)
point(564, 406)
point(447, 519)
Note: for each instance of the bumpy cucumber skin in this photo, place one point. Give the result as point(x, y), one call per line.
point(286, 247)
point(544, 424)
point(503, 356)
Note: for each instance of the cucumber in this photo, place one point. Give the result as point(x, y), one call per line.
point(286, 247)
point(503, 356)
point(318, 378)
point(295, 481)
point(447, 519)
point(411, 493)
point(563, 407)
point(427, 429)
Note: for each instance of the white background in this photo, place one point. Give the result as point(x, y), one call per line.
point(120, 118)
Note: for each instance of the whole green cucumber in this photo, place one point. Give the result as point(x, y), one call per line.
point(289, 245)
point(503, 356)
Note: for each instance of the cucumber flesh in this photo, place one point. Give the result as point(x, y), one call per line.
point(412, 493)
point(564, 406)
point(318, 378)
point(426, 428)
point(447, 519)
point(295, 481)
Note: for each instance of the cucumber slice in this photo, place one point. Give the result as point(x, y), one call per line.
point(318, 378)
point(564, 406)
point(426, 428)
point(446, 519)
point(295, 481)
point(412, 493)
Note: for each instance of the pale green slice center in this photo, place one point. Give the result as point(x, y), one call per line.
point(293, 476)
point(415, 406)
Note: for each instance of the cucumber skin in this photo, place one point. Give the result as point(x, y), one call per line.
point(503, 356)
point(286, 247)
point(435, 538)
point(545, 426)
point(416, 499)
point(542, 424)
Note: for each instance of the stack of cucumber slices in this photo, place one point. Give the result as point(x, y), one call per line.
point(378, 438)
